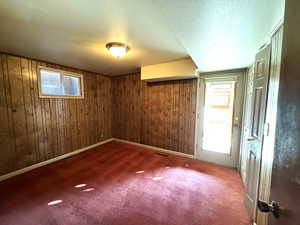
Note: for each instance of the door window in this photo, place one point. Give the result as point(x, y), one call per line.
point(218, 116)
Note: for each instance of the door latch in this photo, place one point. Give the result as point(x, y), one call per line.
point(273, 207)
point(267, 129)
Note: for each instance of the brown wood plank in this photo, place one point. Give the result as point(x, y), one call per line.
point(33, 111)
point(7, 152)
point(19, 118)
point(176, 119)
point(29, 115)
point(38, 115)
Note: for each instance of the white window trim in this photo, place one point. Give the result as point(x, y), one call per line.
point(62, 72)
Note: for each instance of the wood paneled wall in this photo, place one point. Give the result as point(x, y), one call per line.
point(34, 129)
point(159, 114)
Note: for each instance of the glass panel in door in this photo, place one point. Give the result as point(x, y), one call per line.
point(218, 116)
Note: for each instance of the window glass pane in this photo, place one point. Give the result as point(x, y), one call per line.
point(50, 83)
point(218, 115)
point(59, 83)
point(71, 85)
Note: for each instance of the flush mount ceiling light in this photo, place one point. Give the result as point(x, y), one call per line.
point(117, 49)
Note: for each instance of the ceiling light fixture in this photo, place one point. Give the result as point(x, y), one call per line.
point(117, 49)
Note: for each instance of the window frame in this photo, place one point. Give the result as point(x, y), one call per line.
point(62, 73)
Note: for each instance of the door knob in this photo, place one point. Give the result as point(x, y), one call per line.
point(273, 207)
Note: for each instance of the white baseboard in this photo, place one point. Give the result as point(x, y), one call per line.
point(26, 169)
point(156, 148)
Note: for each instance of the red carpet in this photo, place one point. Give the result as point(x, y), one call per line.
point(122, 184)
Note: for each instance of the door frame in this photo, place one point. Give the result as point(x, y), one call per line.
point(249, 77)
point(225, 76)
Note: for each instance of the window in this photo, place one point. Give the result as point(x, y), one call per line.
point(59, 84)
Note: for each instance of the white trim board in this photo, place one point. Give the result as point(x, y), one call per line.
point(26, 169)
point(156, 148)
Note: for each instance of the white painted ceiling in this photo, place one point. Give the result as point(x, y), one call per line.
point(222, 34)
point(217, 34)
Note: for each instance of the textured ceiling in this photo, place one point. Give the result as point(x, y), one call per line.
point(217, 34)
point(222, 34)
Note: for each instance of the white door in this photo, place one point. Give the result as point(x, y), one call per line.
point(255, 141)
point(220, 99)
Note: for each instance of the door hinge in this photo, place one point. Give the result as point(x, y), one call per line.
point(273, 207)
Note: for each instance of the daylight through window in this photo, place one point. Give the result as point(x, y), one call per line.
point(60, 84)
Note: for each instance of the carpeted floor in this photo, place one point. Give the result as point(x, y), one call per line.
point(122, 184)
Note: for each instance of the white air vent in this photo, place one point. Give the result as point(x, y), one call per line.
point(175, 70)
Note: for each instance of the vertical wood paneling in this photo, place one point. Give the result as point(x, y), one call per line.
point(127, 108)
point(26, 79)
point(35, 129)
point(18, 109)
point(175, 121)
point(7, 150)
point(159, 114)
point(38, 117)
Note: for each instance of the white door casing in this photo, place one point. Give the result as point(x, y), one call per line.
point(231, 159)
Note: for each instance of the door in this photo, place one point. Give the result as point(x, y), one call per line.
point(285, 185)
point(270, 125)
point(285, 182)
point(219, 115)
point(255, 140)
